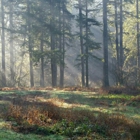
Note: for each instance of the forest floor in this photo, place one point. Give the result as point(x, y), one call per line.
point(70, 114)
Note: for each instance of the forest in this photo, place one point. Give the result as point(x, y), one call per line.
point(36, 39)
point(79, 43)
point(70, 69)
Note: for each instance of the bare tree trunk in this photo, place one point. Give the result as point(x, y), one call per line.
point(53, 61)
point(3, 45)
point(87, 73)
point(42, 49)
point(53, 65)
point(105, 45)
point(61, 44)
point(20, 71)
point(121, 44)
point(42, 62)
point(30, 45)
point(117, 41)
point(81, 44)
point(138, 42)
point(11, 47)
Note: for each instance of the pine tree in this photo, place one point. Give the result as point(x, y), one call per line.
point(30, 45)
point(81, 43)
point(42, 49)
point(11, 46)
point(105, 45)
point(138, 41)
point(3, 44)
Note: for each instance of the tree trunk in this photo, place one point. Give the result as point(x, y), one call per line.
point(11, 47)
point(81, 44)
point(121, 44)
point(42, 49)
point(117, 42)
point(30, 45)
point(53, 61)
point(3, 45)
point(20, 71)
point(105, 45)
point(42, 62)
point(138, 44)
point(61, 45)
point(87, 72)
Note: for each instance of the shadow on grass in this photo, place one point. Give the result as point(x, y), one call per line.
point(81, 100)
point(86, 99)
point(92, 100)
point(29, 114)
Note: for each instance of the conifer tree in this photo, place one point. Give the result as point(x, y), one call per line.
point(3, 44)
point(105, 45)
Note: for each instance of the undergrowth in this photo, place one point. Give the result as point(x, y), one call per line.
point(46, 118)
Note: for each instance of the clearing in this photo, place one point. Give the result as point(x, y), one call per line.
point(52, 114)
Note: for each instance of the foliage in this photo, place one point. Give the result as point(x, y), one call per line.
point(130, 35)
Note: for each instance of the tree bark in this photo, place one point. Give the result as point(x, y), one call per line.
point(52, 36)
point(42, 62)
point(3, 45)
point(42, 49)
point(81, 44)
point(117, 42)
point(87, 70)
point(105, 45)
point(121, 43)
point(62, 44)
point(138, 42)
point(11, 47)
point(30, 45)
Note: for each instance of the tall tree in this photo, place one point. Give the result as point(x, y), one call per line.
point(81, 43)
point(121, 42)
point(87, 49)
point(123, 12)
point(53, 47)
point(30, 45)
point(116, 38)
point(65, 35)
point(42, 48)
point(11, 46)
point(86, 19)
point(3, 44)
point(105, 45)
point(61, 41)
point(138, 41)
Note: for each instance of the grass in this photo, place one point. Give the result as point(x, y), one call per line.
point(7, 134)
point(11, 135)
point(62, 115)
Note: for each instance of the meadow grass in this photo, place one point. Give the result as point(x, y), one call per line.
point(52, 107)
